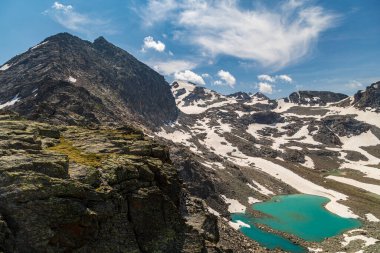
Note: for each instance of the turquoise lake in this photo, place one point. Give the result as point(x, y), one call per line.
point(301, 215)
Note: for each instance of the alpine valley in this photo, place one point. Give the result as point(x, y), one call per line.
point(98, 153)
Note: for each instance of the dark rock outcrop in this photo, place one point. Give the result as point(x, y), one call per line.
point(240, 96)
point(315, 97)
point(370, 97)
point(345, 125)
point(92, 82)
point(197, 94)
point(260, 96)
point(264, 117)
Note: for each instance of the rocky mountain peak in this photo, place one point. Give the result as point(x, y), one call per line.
point(240, 95)
point(68, 69)
point(260, 96)
point(101, 40)
point(64, 36)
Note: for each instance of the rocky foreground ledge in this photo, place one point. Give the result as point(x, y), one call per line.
point(72, 189)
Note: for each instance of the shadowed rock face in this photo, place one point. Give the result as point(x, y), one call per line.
point(64, 69)
point(315, 97)
point(265, 117)
point(370, 97)
point(240, 95)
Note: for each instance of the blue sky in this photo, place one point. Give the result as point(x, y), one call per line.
point(271, 46)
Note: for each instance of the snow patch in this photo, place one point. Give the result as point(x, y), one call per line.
point(38, 45)
point(11, 102)
point(252, 200)
point(200, 107)
point(309, 163)
point(367, 187)
point(355, 143)
point(179, 137)
point(234, 205)
point(371, 217)
point(238, 224)
point(261, 188)
point(315, 250)
point(294, 147)
point(368, 241)
point(5, 67)
point(240, 113)
point(72, 79)
point(212, 211)
point(283, 106)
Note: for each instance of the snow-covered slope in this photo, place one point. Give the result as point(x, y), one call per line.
point(246, 143)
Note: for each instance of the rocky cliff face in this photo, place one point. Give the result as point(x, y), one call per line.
point(65, 79)
point(72, 189)
point(369, 98)
point(315, 97)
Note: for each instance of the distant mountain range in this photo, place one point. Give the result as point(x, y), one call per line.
point(226, 153)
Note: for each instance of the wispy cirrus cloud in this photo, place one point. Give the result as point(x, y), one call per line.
point(275, 37)
point(158, 10)
point(68, 17)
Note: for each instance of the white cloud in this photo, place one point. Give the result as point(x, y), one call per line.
point(227, 78)
point(267, 83)
point(173, 66)
point(157, 10)
point(274, 37)
point(66, 16)
point(206, 75)
point(267, 78)
point(273, 79)
point(284, 78)
point(59, 6)
point(354, 85)
point(265, 87)
point(150, 43)
point(190, 76)
point(219, 83)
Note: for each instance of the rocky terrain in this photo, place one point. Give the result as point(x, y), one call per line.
point(315, 97)
point(68, 80)
point(78, 176)
point(368, 98)
point(74, 189)
point(240, 149)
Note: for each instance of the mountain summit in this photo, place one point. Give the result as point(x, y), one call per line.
point(68, 80)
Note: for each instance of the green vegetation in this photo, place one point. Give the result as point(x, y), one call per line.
point(76, 155)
